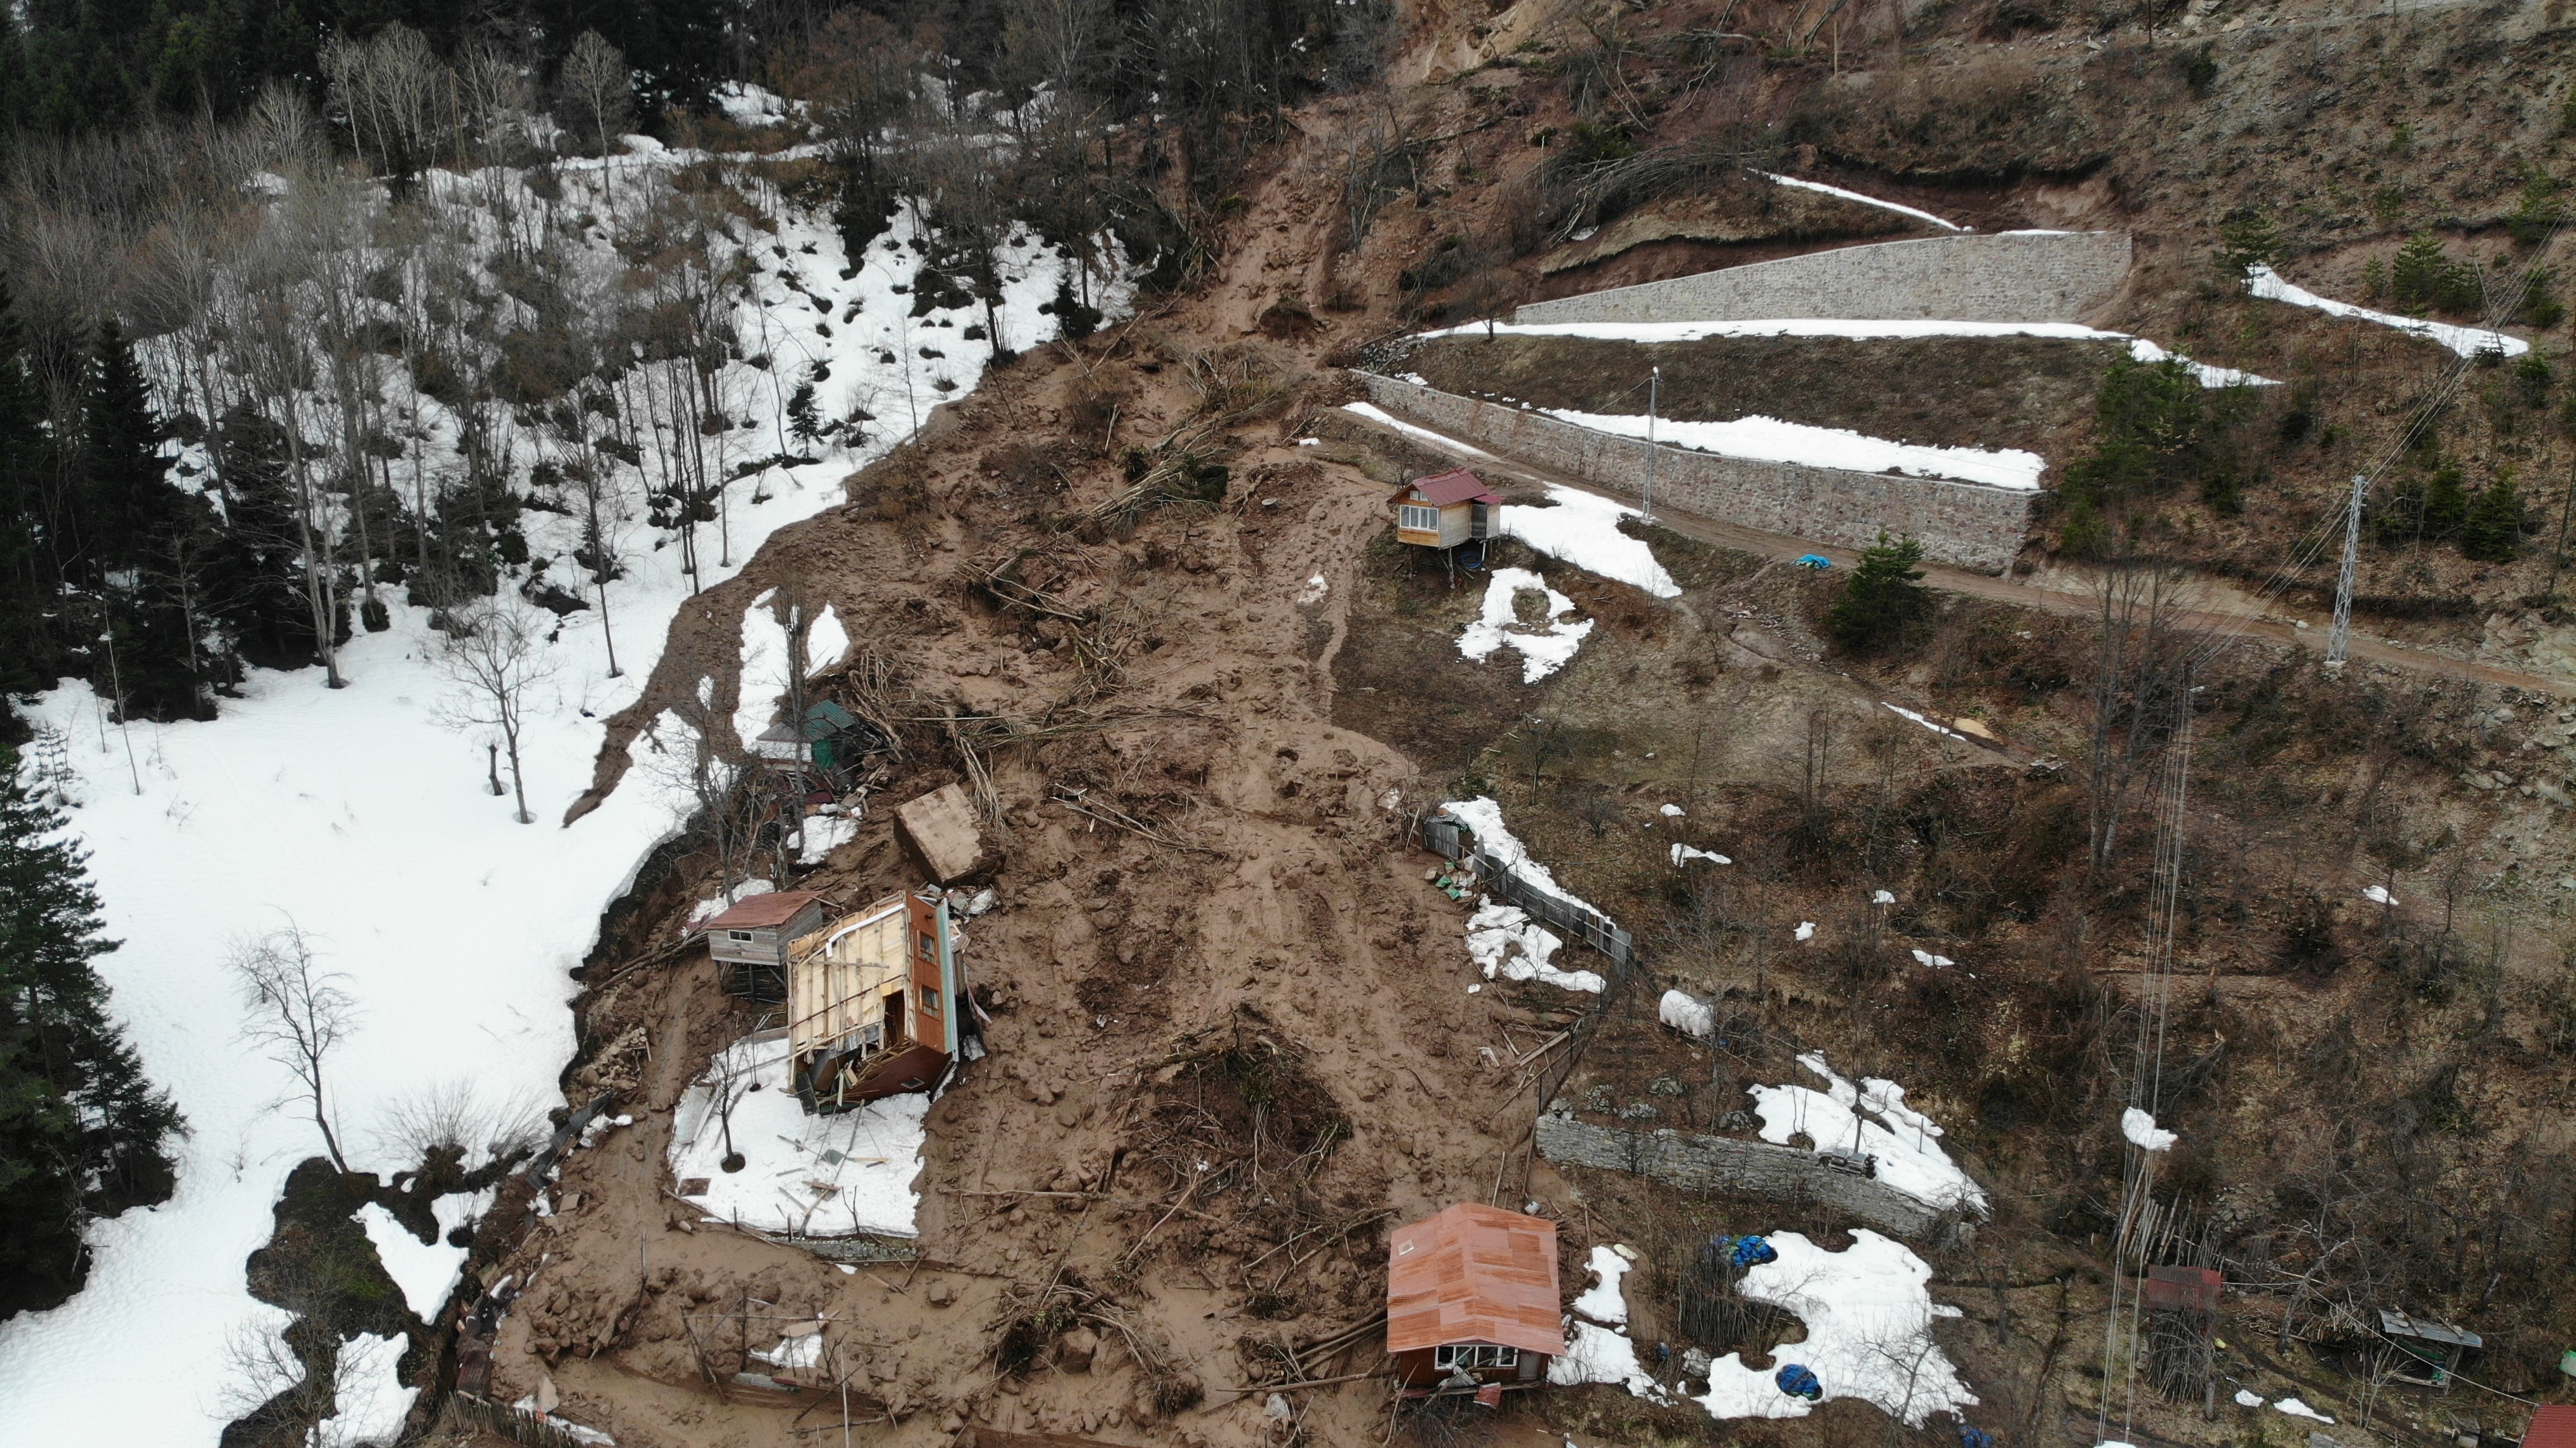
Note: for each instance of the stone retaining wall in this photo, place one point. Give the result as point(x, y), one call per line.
point(2013, 276)
point(1968, 525)
point(1727, 1164)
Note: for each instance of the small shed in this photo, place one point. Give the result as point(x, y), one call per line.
point(2423, 1351)
point(1445, 510)
point(943, 835)
point(1473, 1291)
point(749, 942)
point(830, 738)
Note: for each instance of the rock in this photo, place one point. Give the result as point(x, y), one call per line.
point(1069, 1115)
point(1076, 1349)
point(939, 1295)
point(952, 1424)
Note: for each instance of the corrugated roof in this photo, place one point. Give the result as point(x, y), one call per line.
point(1455, 486)
point(2554, 1426)
point(2425, 1329)
point(763, 912)
point(1474, 1274)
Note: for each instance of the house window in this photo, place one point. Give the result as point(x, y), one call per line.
point(742, 936)
point(1473, 1355)
point(929, 945)
point(930, 1000)
point(1414, 518)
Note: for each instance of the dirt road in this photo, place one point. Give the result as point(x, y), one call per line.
point(2059, 590)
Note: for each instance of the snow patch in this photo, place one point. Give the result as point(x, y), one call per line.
point(1936, 962)
point(1443, 441)
point(1863, 200)
point(2378, 895)
point(1806, 930)
point(826, 642)
point(2247, 1398)
point(2142, 350)
point(1869, 1315)
point(1502, 939)
point(2141, 1130)
point(820, 1176)
point(1871, 1118)
point(1684, 854)
point(1672, 811)
point(2297, 1409)
point(1768, 439)
point(1542, 652)
point(2268, 284)
point(1596, 1349)
point(822, 835)
point(425, 1271)
point(1690, 1016)
point(1583, 529)
point(1904, 713)
point(368, 1390)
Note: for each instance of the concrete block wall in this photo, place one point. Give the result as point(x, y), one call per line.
point(2023, 276)
point(1967, 525)
point(1726, 1163)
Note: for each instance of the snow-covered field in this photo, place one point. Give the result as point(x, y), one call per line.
point(362, 818)
point(817, 1176)
point(2271, 286)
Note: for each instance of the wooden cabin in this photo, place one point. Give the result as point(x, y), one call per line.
point(1473, 1290)
point(749, 943)
point(1445, 510)
point(2422, 1351)
point(874, 1002)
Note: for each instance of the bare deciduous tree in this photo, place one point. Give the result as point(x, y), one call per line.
point(599, 90)
point(496, 650)
point(298, 1012)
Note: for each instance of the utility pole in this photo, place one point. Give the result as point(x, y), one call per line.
point(2337, 641)
point(1654, 390)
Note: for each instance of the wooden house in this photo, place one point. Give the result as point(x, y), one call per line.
point(875, 1002)
point(1445, 510)
point(1473, 1291)
point(749, 943)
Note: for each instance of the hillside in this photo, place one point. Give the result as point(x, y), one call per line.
point(1953, 883)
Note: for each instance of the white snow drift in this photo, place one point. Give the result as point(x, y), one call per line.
point(1583, 529)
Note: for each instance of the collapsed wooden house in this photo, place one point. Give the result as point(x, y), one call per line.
point(1471, 1297)
point(876, 1002)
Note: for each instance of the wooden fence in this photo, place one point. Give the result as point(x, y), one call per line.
point(519, 1425)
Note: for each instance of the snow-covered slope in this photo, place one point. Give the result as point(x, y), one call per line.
point(362, 818)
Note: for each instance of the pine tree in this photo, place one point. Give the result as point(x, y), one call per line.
point(29, 649)
point(82, 1133)
point(1885, 596)
point(2492, 531)
point(127, 497)
point(144, 542)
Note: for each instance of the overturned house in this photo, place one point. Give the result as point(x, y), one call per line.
point(876, 1003)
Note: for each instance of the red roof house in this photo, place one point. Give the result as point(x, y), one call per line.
point(1473, 1290)
point(1444, 510)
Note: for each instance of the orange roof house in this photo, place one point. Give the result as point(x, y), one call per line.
point(2552, 1426)
point(1473, 1290)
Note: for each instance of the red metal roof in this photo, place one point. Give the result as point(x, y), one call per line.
point(1473, 1274)
point(2554, 1426)
point(762, 912)
point(1455, 486)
